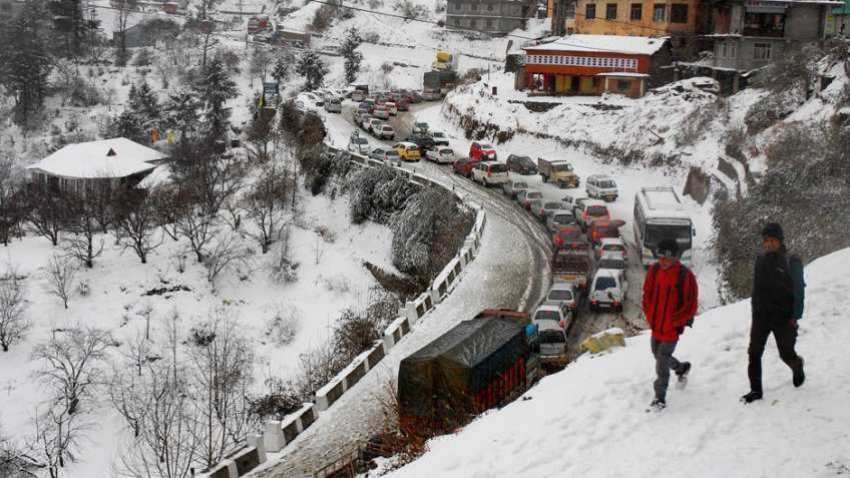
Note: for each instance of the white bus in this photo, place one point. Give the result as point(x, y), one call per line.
point(659, 214)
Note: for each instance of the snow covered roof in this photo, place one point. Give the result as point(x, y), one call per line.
point(108, 158)
point(604, 43)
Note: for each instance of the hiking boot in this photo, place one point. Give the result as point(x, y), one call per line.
point(799, 375)
point(751, 397)
point(683, 372)
point(658, 404)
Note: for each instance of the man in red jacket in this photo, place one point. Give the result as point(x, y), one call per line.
point(669, 304)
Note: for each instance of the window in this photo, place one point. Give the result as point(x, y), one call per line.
point(637, 10)
point(590, 12)
point(761, 51)
point(678, 13)
point(473, 23)
point(474, 7)
point(489, 23)
point(622, 87)
point(490, 8)
point(611, 11)
point(659, 12)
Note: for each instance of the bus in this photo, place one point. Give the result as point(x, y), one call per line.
point(659, 214)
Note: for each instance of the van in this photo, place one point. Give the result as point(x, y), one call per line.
point(489, 174)
point(600, 186)
point(608, 290)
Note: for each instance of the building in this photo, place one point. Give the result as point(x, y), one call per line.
point(562, 13)
point(494, 17)
point(110, 162)
point(594, 64)
point(838, 21)
point(148, 33)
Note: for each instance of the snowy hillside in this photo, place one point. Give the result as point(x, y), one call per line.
point(590, 419)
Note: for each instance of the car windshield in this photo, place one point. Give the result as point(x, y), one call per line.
point(562, 167)
point(552, 337)
point(520, 185)
point(597, 211)
point(655, 233)
point(607, 231)
point(486, 146)
point(607, 184)
point(498, 168)
point(387, 128)
point(605, 282)
point(534, 195)
point(439, 135)
point(614, 247)
point(565, 218)
point(446, 151)
point(547, 315)
point(612, 264)
point(560, 295)
point(360, 141)
point(553, 205)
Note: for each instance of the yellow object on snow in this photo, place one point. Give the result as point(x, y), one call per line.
point(613, 337)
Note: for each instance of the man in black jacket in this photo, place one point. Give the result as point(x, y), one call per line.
point(777, 305)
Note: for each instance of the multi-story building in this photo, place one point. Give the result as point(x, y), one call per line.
point(838, 21)
point(494, 17)
point(562, 13)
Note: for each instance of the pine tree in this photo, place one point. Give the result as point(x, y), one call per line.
point(127, 125)
point(312, 68)
point(143, 103)
point(24, 61)
point(71, 25)
point(215, 87)
point(352, 56)
point(280, 72)
point(181, 113)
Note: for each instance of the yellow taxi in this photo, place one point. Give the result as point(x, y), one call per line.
point(408, 151)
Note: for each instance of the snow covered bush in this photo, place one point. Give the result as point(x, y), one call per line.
point(772, 108)
point(284, 269)
point(411, 10)
point(354, 334)
point(377, 193)
point(283, 323)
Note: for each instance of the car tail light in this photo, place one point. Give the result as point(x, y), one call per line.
point(616, 303)
point(594, 301)
point(562, 323)
point(489, 173)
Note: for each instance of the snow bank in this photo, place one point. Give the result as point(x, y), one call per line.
point(590, 419)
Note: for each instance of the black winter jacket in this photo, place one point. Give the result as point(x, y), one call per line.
point(773, 297)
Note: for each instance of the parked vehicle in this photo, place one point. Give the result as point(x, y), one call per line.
point(601, 186)
point(570, 236)
point(413, 96)
point(381, 112)
point(535, 206)
point(374, 126)
point(572, 199)
point(386, 132)
point(440, 138)
point(528, 197)
point(553, 349)
point(464, 166)
point(611, 263)
point(591, 210)
point(419, 127)
point(532, 336)
point(482, 151)
point(431, 95)
point(563, 293)
point(559, 173)
point(379, 153)
point(548, 315)
point(548, 208)
point(391, 108)
point(558, 219)
point(401, 103)
point(608, 290)
point(611, 248)
point(358, 144)
point(511, 187)
point(489, 174)
point(659, 214)
point(440, 155)
point(425, 141)
point(358, 96)
point(408, 151)
point(573, 266)
point(333, 106)
point(601, 229)
point(520, 164)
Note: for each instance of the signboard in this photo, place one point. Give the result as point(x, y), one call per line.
point(270, 89)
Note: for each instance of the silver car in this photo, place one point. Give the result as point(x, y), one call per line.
point(563, 294)
point(512, 188)
point(558, 219)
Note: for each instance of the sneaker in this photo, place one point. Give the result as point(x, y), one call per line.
point(658, 404)
point(799, 375)
point(751, 397)
point(683, 373)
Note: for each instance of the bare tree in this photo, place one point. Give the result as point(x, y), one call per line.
point(136, 220)
point(57, 437)
point(47, 212)
point(125, 7)
point(82, 221)
point(13, 321)
point(12, 210)
point(266, 203)
point(13, 459)
point(60, 274)
point(221, 371)
point(226, 253)
point(261, 62)
point(72, 364)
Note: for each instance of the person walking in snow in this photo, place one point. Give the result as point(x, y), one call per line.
point(670, 297)
point(777, 305)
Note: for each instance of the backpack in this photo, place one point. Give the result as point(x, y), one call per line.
point(680, 285)
point(795, 272)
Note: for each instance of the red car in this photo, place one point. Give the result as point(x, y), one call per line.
point(482, 152)
point(464, 166)
point(570, 237)
point(602, 228)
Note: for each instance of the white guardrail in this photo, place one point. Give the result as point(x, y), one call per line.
point(280, 433)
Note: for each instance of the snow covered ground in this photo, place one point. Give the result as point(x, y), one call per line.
point(589, 420)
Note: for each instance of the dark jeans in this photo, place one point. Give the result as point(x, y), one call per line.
point(664, 362)
point(786, 338)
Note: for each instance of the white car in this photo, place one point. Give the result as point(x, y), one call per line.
point(611, 248)
point(381, 112)
point(562, 293)
point(490, 173)
point(608, 289)
point(391, 107)
point(386, 132)
point(373, 126)
point(359, 145)
point(548, 315)
point(600, 186)
point(440, 138)
point(441, 155)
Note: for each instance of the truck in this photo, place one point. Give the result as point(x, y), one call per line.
point(444, 61)
point(572, 265)
point(559, 172)
point(439, 81)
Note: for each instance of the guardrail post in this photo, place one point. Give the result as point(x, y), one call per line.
point(256, 441)
point(232, 470)
point(273, 436)
point(410, 311)
point(435, 295)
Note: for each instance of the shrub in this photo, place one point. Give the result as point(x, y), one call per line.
point(355, 333)
point(283, 324)
point(410, 9)
point(377, 194)
point(142, 58)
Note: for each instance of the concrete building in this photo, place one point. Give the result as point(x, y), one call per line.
point(562, 14)
point(838, 21)
point(494, 17)
point(594, 64)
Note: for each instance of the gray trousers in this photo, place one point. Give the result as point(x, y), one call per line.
point(664, 362)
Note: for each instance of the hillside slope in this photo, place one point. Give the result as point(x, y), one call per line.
point(590, 419)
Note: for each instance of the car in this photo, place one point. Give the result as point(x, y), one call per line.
point(431, 95)
point(482, 151)
point(413, 96)
point(419, 127)
point(553, 349)
point(386, 132)
point(333, 106)
point(489, 174)
point(360, 117)
point(558, 219)
point(572, 199)
point(401, 103)
point(425, 141)
point(464, 166)
point(373, 125)
point(570, 237)
point(534, 207)
point(408, 151)
point(547, 316)
point(611, 248)
point(529, 196)
point(440, 138)
point(548, 208)
point(563, 293)
point(384, 154)
point(358, 144)
point(521, 164)
point(573, 266)
point(358, 96)
point(511, 188)
point(608, 289)
point(381, 112)
point(391, 107)
point(590, 210)
point(440, 155)
point(600, 229)
point(369, 104)
point(600, 186)
point(611, 263)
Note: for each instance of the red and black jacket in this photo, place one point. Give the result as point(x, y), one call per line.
point(670, 299)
